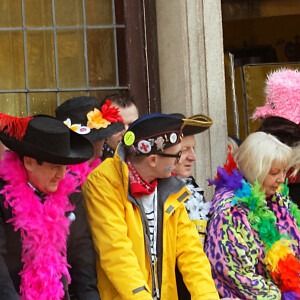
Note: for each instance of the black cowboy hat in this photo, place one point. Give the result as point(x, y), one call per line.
point(195, 124)
point(76, 109)
point(283, 129)
point(44, 138)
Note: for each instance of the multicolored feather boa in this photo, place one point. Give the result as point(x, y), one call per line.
point(44, 229)
point(280, 259)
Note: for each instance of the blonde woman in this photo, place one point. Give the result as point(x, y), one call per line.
point(253, 235)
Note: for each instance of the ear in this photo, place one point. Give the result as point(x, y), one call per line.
point(29, 163)
point(152, 160)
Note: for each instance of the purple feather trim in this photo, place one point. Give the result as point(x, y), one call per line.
point(290, 296)
point(232, 181)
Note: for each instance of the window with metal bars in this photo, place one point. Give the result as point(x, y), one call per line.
point(53, 50)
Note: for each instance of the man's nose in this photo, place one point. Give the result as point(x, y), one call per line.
point(192, 155)
point(61, 173)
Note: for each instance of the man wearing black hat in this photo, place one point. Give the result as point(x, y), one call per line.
point(138, 220)
point(85, 116)
point(196, 205)
point(46, 251)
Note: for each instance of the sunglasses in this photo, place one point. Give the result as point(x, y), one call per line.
point(177, 156)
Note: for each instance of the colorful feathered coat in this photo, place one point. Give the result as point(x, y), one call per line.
point(236, 251)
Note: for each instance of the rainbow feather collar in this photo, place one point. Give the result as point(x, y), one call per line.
point(280, 259)
point(43, 227)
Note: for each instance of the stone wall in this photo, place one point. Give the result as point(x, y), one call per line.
point(191, 70)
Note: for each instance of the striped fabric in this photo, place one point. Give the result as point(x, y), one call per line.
point(148, 203)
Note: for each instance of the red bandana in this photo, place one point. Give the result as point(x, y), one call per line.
point(138, 186)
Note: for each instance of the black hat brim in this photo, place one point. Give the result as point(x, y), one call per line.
point(101, 134)
point(81, 150)
point(283, 129)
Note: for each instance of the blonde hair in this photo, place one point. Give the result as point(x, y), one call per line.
point(295, 161)
point(258, 152)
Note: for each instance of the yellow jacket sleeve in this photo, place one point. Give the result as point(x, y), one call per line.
point(106, 216)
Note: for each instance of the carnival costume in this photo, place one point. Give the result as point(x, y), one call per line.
point(253, 241)
point(113, 195)
point(196, 206)
point(45, 243)
point(282, 96)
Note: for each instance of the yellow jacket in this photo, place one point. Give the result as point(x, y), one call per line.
point(119, 231)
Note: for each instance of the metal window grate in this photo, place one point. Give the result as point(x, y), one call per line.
point(54, 28)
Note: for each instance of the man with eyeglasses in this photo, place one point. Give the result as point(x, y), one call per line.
point(139, 224)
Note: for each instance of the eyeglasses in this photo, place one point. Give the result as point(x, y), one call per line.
point(177, 156)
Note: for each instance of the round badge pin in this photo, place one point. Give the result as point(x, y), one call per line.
point(144, 146)
point(83, 129)
point(173, 137)
point(129, 138)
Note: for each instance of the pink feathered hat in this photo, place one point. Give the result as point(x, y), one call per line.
point(282, 96)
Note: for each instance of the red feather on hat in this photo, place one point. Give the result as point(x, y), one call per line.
point(13, 126)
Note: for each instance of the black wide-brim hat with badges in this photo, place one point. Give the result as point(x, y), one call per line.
point(195, 124)
point(85, 116)
point(45, 139)
point(153, 133)
point(283, 129)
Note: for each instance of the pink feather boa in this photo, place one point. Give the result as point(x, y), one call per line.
point(84, 169)
point(44, 229)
